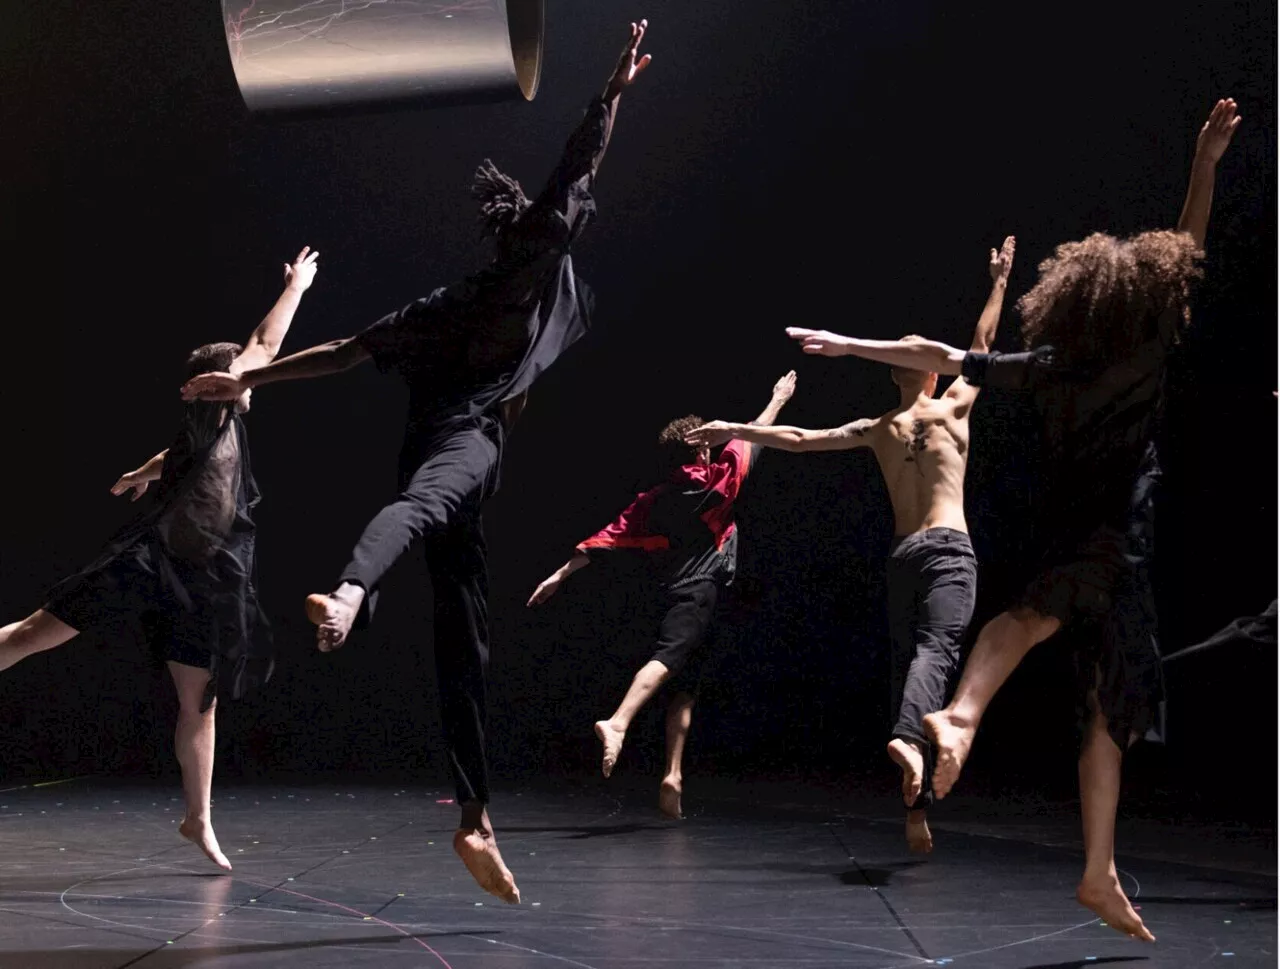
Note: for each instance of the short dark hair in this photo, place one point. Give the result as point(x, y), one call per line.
point(212, 358)
point(673, 452)
point(502, 200)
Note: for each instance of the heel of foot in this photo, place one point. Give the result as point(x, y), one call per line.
point(317, 608)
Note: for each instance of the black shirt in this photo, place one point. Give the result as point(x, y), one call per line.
point(1098, 423)
point(470, 347)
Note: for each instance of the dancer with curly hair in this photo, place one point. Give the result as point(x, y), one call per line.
point(1098, 325)
point(686, 526)
point(469, 353)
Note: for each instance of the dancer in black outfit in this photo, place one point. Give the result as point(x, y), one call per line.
point(181, 575)
point(469, 353)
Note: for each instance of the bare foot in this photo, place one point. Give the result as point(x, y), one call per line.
point(919, 840)
point(669, 797)
point(479, 852)
point(909, 757)
point(1104, 897)
point(612, 739)
point(952, 736)
point(334, 616)
point(200, 833)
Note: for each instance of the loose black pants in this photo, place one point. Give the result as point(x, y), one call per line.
point(440, 503)
point(932, 579)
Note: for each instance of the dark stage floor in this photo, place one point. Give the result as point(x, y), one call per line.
point(93, 874)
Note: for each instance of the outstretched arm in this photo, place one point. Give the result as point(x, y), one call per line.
point(319, 361)
point(853, 435)
point(140, 479)
point(1210, 145)
point(782, 392)
point(929, 355)
point(548, 586)
point(264, 343)
point(585, 150)
point(1001, 263)
point(961, 391)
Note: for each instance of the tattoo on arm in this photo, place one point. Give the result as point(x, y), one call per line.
point(854, 430)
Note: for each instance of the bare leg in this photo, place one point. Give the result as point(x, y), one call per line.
point(1001, 646)
point(193, 743)
point(334, 615)
point(1099, 889)
point(38, 632)
point(477, 846)
point(679, 717)
point(614, 730)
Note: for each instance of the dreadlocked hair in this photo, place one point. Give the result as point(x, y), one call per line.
point(673, 452)
point(1099, 299)
point(502, 200)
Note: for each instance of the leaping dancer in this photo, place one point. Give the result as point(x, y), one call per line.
point(181, 575)
point(686, 526)
point(469, 353)
point(922, 447)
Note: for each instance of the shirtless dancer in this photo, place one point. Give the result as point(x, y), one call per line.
point(470, 353)
point(922, 447)
point(1099, 325)
point(181, 574)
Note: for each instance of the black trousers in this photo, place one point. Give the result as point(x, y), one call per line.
point(440, 503)
point(932, 579)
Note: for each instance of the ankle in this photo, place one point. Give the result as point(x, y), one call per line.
point(349, 594)
point(1099, 875)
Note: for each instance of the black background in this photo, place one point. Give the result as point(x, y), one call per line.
point(844, 165)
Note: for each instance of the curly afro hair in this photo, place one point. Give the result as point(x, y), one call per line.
point(1099, 299)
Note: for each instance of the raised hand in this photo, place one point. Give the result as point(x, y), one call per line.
point(1217, 131)
point(785, 387)
point(214, 386)
point(820, 342)
point(712, 434)
point(131, 481)
point(628, 66)
point(1002, 261)
point(302, 272)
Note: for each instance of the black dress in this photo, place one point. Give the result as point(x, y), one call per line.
point(181, 575)
point(1095, 524)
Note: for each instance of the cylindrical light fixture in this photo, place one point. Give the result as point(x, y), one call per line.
point(294, 55)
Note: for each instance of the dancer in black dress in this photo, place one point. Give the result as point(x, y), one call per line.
point(469, 353)
point(181, 575)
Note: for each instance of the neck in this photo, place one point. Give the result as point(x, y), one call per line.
point(912, 397)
